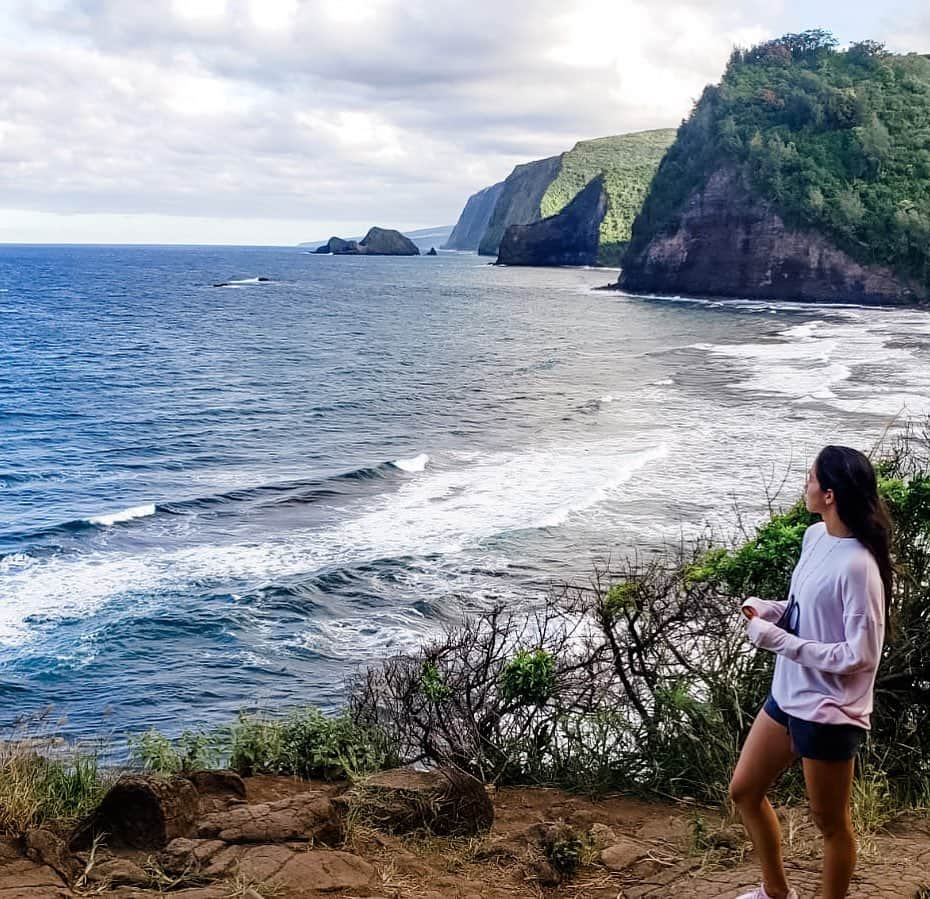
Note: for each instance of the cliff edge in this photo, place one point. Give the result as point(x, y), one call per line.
point(729, 242)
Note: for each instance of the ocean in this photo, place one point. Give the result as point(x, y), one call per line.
point(225, 498)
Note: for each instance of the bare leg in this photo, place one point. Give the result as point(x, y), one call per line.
point(766, 754)
point(829, 786)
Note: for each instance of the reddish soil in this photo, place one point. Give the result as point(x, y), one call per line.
point(653, 854)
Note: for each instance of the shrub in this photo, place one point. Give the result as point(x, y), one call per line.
point(309, 744)
point(191, 751)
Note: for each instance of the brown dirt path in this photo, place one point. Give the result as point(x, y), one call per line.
point(653, 856)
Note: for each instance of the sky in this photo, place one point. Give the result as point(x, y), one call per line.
point(279, 121)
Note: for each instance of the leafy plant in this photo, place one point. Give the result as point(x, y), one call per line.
point(529, 677)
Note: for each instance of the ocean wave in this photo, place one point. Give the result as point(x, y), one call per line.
point(417, 463)
point(295, 492)
point(124, 515)
point(464, 502)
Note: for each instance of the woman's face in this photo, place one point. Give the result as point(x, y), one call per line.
point(815, 498)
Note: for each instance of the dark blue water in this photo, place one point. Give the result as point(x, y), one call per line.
point(215, 498)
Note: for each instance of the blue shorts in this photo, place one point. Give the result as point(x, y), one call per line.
point(823, 742)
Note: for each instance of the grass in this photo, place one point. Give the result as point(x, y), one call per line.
point(45, 780)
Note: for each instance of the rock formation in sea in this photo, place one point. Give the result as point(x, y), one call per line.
point(519, 200)
point(377, 242)
point(473, 222)
point(568, 238)
point(729, 242)
point(432, 252)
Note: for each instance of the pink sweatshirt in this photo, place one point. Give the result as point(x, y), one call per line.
point(826, 673)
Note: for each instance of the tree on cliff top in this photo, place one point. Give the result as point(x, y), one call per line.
point(839, 141)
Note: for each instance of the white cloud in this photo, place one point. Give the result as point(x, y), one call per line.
point(331, 111)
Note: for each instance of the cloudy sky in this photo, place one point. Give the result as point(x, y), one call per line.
point(276, 121)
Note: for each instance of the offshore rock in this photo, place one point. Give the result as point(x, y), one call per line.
point(377, 242)
point(570, 237)
point(728, 242)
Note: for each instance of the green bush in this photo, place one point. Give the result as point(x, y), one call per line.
point(309, 744)
point(192, 751)
point(529, 678)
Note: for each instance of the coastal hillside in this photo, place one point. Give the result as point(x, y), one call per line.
point(519, 201)
point(804, 174)
point(473, 222)
point(543, 188)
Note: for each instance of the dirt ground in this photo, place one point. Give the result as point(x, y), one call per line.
point(651, 850)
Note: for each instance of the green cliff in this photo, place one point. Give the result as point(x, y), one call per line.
point(804, 174)
point(543, 188)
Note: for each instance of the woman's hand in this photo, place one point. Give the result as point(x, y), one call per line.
point(749, 612)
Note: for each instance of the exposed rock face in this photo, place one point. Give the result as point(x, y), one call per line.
point(730, 243)
point(569, 238)
point(473, 222)
point(141, 812)
point(309, 816)
point(519, 200)
point(377, 242)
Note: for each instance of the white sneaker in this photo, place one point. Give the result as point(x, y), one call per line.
point(759, 893)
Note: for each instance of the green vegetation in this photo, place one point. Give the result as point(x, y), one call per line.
point(629, 162)
point(43, 781)
point(839, 141)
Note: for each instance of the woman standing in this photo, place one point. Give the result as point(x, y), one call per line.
point(828, 638)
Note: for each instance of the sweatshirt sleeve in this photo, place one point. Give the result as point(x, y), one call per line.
point(766, 609)
point(863, 627)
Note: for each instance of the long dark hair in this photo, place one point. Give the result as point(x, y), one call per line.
point(851, 477)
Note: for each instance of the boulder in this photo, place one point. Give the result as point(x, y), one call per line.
point(432, 252)
point(47, 848)
point(294, 873)
point(445, 801)
point(621, 855)
point(141, 812)
point(118, 871)
point(309, 816)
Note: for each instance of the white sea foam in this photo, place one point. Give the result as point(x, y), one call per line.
point(14, 561)
point(811, 361)
point(124, 515)
point(466, 500)
point(417, 463)
point(607, 398)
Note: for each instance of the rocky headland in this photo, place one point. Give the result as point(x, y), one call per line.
point(545, 187)
point(803, 175)
point(568, 238)
point(730, 242)
point(377, 242)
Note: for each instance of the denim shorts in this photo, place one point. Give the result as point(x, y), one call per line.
point(822, 742)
